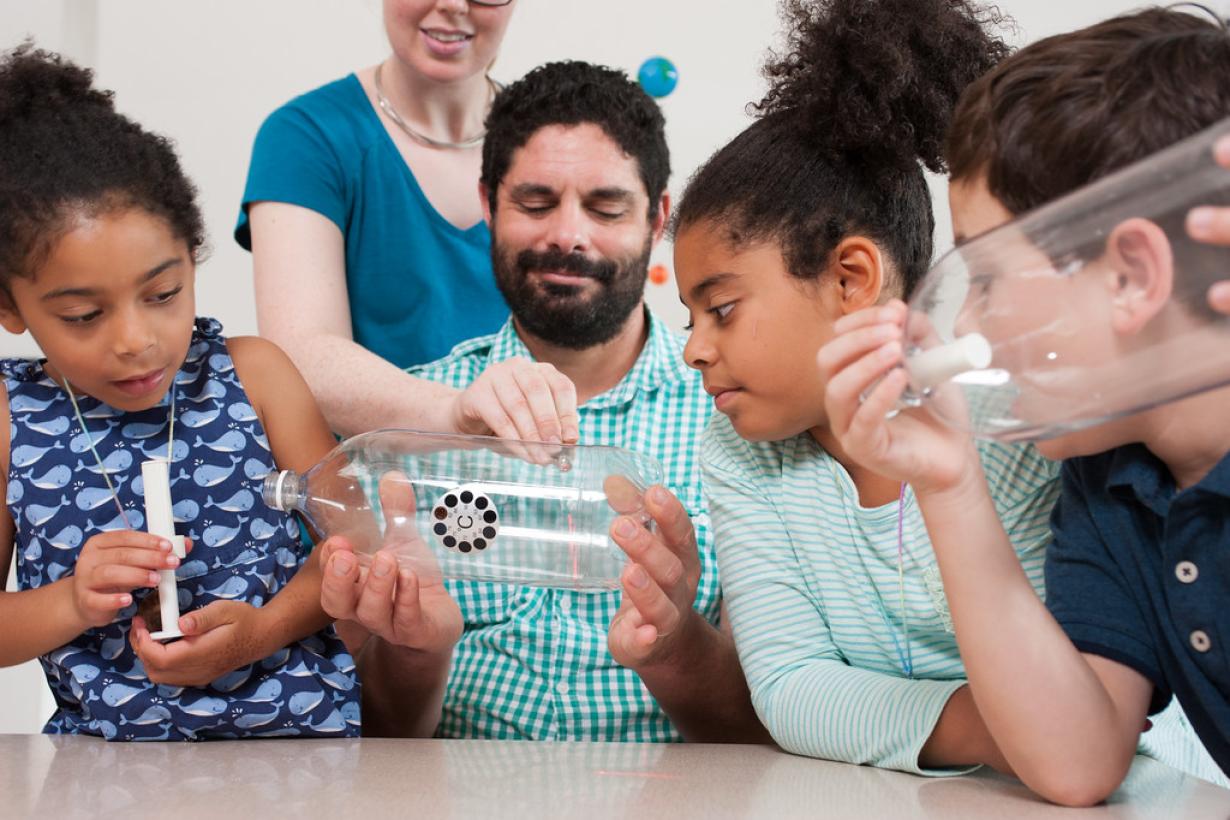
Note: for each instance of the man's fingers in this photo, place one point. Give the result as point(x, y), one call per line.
point(339, 585)
point(565, 395)
point(515, 403)
point(397, 500)
point(407, 608)
point(540, 403)
point(375, 606)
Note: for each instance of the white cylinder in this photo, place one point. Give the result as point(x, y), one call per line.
point(155, 475)
point(937, 365)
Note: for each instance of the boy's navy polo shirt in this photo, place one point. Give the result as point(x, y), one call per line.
point(1141, 575)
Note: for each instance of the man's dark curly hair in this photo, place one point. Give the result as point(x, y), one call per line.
point(574, 93)
point(861, 96)
point(66, 153)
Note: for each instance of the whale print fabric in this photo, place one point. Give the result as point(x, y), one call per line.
point(242, 551)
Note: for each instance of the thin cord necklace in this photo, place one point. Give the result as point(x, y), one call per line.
point(115, 496)
point(423, 139)
point(901, 646)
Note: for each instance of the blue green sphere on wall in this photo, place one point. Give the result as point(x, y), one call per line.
point(658, 76)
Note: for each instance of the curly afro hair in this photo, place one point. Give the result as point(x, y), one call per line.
point(66, 153)
point(857, 104)
point(572, 92)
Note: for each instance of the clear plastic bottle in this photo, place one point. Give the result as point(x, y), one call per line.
point(474, 507)
point(1087, 309)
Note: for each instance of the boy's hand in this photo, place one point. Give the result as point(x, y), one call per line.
point(860, 366)
point(110, 566)
point(218, 638)
point(655, 619)
point(519, 399)
point(1212, 225)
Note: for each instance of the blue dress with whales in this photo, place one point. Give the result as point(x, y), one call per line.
point(242, 551)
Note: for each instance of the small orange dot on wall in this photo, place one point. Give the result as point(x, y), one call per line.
point(659, 275)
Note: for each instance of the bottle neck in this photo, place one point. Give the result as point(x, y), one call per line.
point(284, 490)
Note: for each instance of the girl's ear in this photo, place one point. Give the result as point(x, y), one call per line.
point(859, 268)
point(1141, 273)
point(10, 319)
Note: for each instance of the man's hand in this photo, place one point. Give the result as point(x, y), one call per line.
point(519, 399)
point(404, 607)
point(656, 618)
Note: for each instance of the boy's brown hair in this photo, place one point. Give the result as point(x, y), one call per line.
point(1075, 107)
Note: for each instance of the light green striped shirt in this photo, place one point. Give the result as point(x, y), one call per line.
point(818, 606)
point(533, 663)
point(825, 624)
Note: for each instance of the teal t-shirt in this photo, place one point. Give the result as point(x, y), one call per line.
point(418, 285)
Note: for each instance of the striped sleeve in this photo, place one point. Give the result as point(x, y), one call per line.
point(810, 699)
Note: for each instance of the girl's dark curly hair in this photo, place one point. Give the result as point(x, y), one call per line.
point(66, 153)
point(858, 103)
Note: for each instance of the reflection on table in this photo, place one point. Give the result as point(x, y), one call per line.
point(73, 777)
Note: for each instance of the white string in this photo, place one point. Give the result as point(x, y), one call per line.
point(115, 496)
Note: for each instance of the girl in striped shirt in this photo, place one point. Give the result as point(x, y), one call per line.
point(818, 209)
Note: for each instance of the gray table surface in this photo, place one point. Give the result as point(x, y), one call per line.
point(44, 776)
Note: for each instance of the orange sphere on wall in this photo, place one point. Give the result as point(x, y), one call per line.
point(659, 274)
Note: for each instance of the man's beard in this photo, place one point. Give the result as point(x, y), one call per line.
point(564, 315)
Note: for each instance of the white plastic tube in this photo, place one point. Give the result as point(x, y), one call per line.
point(155, 474)
point(933, 367)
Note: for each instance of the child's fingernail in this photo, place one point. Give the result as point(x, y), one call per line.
point(153, 579)
point(125, 600)
point(381, 567)
point(165, 545)
point(658, 495)
point(341, 564)
point(625, 528)
point(890, 351)
point(187, 623)
point(172, 560)
point(638, 578)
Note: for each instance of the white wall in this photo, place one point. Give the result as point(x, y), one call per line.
point(207, 73)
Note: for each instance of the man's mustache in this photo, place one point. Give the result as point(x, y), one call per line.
point(603, 270)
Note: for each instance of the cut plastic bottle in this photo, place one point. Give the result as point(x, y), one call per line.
point(475, 508)
point(1087, 309)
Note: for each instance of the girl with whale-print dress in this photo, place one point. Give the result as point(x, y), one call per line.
point(99, 238)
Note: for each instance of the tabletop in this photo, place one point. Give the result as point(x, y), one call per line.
point(69, 777)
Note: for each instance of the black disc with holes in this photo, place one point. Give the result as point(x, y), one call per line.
point(465, 520)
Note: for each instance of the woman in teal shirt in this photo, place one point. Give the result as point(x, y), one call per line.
point(369, 249)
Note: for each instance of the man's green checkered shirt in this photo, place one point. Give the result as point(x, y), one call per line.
point(533, 663)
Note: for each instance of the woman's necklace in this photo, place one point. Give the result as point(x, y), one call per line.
point(115, 496)
point(423, 139)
